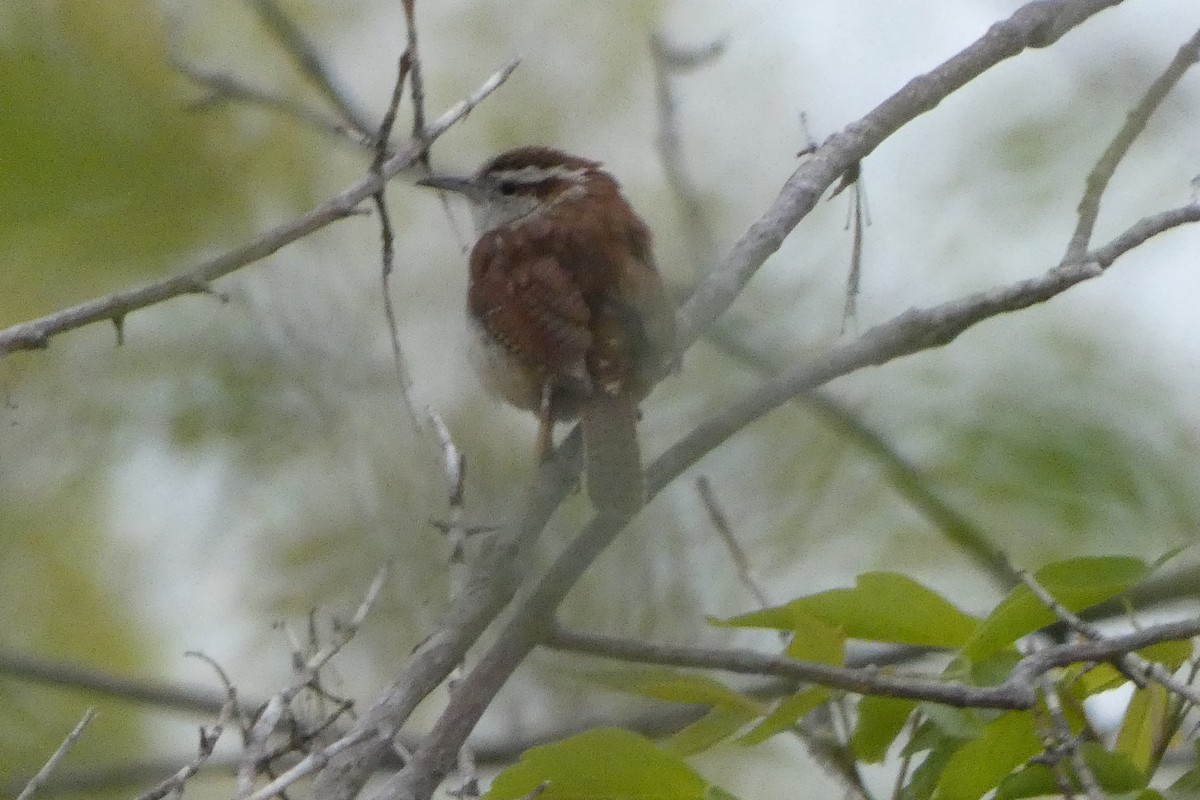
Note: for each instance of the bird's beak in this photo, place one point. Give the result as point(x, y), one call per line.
point(450, 183)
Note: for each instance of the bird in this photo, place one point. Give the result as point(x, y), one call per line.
point(570, 314)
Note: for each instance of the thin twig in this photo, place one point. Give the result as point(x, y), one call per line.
point(720, 521)
point(304, 53)
point(57, 756)
point(1131, 663)
point(857, 218)
point(454, 472)
point(174, 785)
point(388, 239)
point(1135, 122)
point(225, 88)
point(1066, 743)
point(256, 747)
point(311, 763)
point(416, 79)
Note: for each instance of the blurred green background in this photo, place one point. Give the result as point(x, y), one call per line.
point(241, 462)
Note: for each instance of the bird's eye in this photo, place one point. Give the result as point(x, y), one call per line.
point(508, 188)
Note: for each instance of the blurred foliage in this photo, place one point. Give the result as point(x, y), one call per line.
point(57, 605)
point(106, 178)
point(105, 174)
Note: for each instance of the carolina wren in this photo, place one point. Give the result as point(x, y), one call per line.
point(570, 312)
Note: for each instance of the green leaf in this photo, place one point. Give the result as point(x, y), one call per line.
point(883, 606)
point(880, 720)
point(814, 639)
point(1034, 780)
point(1112, 771)
point(711, 729)
point(677, 687)
point(604, 763)
point(786, 714)
point(1076, 583)
point(1142, 730)
point(695, 689)
point(1187, 785)
point(955, 723)
point(1170, 654)
point(1099, 678)
point(926, 776)
point(978, 766)
point(986, 672)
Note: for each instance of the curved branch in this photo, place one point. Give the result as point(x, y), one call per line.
point(1135, 122)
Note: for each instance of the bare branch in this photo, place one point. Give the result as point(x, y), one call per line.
point(720, 521)
point(1135, 123)
point(1035, 24)
point(416, 78)
point(59, 753)
point(36, 334)
point(408, 70)
point(224, 87)
point(256, 750)
point(1018, 691)
point(492, 580)
point(310, 763)
point(164, 695)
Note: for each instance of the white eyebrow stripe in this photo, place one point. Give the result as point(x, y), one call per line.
point(532, 174)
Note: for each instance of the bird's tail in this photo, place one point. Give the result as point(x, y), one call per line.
point(612, 459)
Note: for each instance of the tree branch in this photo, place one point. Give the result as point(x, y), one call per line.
point(1017, 691)
point(1036, 24)
point(1135, 123)
point(57, 756)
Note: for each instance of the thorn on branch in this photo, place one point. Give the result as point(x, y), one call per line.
point(810, 144)
point(684, 58)
point(470, 530)
point(193, 284)
point(537, 790)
